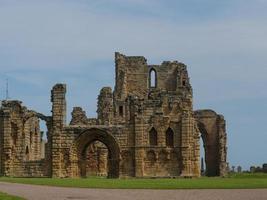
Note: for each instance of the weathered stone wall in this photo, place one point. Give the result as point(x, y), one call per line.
point(131, 73)
point(147, 128)
point(29, 169)
point(105, 106)
point(20, 139)
point(96, 159)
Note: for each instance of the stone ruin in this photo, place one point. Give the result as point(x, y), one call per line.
point(146, 127)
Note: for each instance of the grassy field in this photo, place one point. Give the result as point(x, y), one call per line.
point(4, 196)
point(234, 181)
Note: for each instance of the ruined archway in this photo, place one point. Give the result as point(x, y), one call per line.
point(33, 125)
point(212, 129)
point(89, 136)
point(210, 150)
point(38, 150)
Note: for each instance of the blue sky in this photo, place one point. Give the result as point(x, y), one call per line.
point(222, 42)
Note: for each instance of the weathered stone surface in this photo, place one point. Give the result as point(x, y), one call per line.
point(146, 127)
point(20, 150)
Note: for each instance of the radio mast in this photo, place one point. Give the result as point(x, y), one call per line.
point(7, 90)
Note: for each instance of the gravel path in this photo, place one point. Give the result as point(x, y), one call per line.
point(34, 192)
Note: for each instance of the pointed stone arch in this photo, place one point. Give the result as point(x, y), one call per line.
point(152, 78)
point(153, 137)
point(169, 135)
point(151, 156)
point(89, 136)
point(212, 129)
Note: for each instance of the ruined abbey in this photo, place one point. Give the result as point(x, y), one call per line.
point(146, 127)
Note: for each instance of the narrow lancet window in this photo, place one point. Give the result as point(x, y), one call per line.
point(169, 138)
point(152, 78)
point(153, 137)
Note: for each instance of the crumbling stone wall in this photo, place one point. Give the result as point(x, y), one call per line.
point(20, 138)
point(105, 106)
point(146, 127)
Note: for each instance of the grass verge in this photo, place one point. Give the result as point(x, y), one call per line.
point(4, 196)
point(234, 181)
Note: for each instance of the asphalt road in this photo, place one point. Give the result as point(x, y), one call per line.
point(34, 192)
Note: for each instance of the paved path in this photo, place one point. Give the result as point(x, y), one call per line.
point(34, 192)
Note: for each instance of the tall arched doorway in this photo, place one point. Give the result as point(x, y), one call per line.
point(210, 151)
point(86, 138)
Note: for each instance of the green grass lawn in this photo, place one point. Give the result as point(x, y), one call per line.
point(234, 181)
point(4, 196)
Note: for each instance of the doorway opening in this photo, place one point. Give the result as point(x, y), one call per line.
point(96, 160)
point(106, 148)
point(202, 157)
point(43, 138)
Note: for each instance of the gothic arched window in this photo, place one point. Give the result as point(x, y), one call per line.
point(152, 78)
point(153, 137)
point(169, 138)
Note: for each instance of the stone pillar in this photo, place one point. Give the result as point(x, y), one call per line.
point(58, 122)
point(222, 145)
point(186, 151)
point(105, 106)
point(1, 142)
point(48, 148)
point(121, 77)
point(139, 150)
point(196, 154)
point(5, 144)
point(138, 128)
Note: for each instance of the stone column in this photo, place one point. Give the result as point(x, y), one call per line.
point(5, 145)
point(138, 128)
point(186, 151)
point(58, 122)
point(196, 153)
point(139, 149)
point(48, 148)
point(222, 146)
point(1, 142)
point(105, 106)
point(121, 77)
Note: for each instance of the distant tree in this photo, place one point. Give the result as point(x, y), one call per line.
point(258, 169)
point(233, 168)
point(239, 169)
point(264, 167)
point(252, 169)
